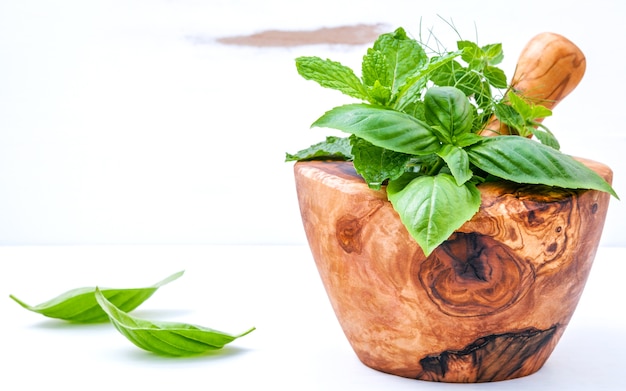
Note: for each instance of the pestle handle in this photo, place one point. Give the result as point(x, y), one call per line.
point(548, 69)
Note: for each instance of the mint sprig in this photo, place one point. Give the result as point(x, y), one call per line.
point(418, 131)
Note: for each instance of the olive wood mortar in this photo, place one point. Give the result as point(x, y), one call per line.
point(489, 304)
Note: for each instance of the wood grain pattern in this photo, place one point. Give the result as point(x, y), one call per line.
point(489, 304)
point(548, 69)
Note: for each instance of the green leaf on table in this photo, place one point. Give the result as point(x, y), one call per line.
point(376, 164)
point(333, 148)
point(433, 207)
point(80, 306)
point(331, 74)
point(522, 160)
point(382, 127)
point(165, 338)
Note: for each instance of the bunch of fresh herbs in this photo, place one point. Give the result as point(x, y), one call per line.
point(418, 131)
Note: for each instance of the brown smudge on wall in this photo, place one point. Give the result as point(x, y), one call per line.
point(359, 34)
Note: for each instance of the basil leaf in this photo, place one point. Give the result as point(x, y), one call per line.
point(458, 163)
point(468, 139)
point(165, 338)
point(333, 148)
point(376, 164)
point(522, 160)
point(433, 207)
point(331, 74)
point(382, 127)
point(449, 109)
point(80, 306)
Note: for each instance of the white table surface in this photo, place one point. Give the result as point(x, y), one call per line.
point(298, 344)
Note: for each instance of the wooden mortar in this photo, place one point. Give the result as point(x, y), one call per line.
point(489, 304)
point(492, 301)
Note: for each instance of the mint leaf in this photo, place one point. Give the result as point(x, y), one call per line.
point(433, 207)
point(522, 160)
point(379, 94)
point(165, 338)
point(473, 55)
point(453, 74)
point(448, 73)
point(331, 74)
point(80, 306)
point(520, 106)
point(382, 127)
point(528, 111)
point(415, 109)
point(493, 53)
point(509, 116)
point(495, 76)
point(375, 164)
point(374, 69)
point(479, 58)
point(545, 136)
point(411, 92)
point(404, 57)
point(333, 148)
point(523, 117)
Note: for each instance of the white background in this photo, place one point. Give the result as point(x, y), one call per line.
point(123, 122)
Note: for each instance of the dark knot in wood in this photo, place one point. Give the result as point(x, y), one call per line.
point(473, 274)
point(490, 358)
point(349, 233)
point(348, 227)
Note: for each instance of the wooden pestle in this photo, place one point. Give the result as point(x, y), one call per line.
point(548, 69)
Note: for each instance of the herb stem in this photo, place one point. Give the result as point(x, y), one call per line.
point(434, 170)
